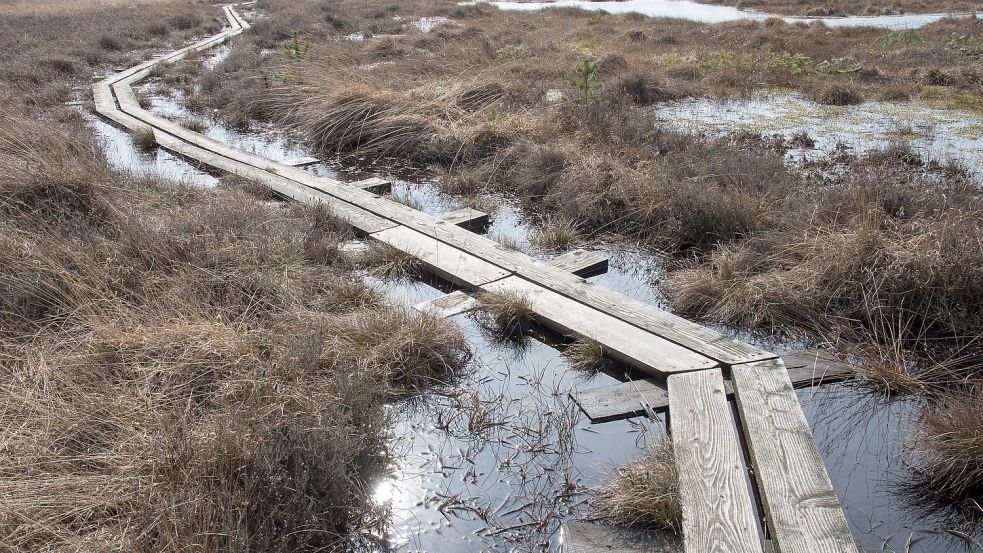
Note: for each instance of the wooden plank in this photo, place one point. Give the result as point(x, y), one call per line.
point(465, 217)
point(302, 161)
point(629, 399)
point(621, 340)
point(674, 329)
point(661, 323)
point(802, 509)
point(582, 263)
point(447, 262)
point(580, 537)
point(623, 400)
point(374, 185)
point(448, 305)
point(718, 516)
point(363, 221)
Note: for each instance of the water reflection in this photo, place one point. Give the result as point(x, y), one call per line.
point(704, 13)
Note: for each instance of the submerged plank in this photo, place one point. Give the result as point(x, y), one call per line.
point(582, 263)
point(621, 340)
point(802, 509)
point(635, 398)
point(580, 537)
point(374, 185)
point(465, 217)
point(447, 262)
point(455, 303)
point(302, 161)
point(718, 516)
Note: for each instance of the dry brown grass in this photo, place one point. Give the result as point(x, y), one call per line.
point(182, 369)
point(508, 313)
point(643, 494)
point(948, 448)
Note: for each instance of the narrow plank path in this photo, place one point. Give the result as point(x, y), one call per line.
point(803, 513)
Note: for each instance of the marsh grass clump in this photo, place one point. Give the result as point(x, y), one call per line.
point(145, 140)
point(948, 447)
point(508, 313)
point(584, 354)
point(555, 233)
point(643, 494)
point(835, 94)
point(384, 260)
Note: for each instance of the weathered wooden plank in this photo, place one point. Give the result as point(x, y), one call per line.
point(302, 161)
point(579, 537)
point(622, 341)
point(448, 305)
point(374, 185)
point(361, 220)
point(718, 516)
point(661, 323)
point(582, 263)
point(447, 262)
point(635, 398)
point(803, 512)
point(623, 400)
point(465, 217)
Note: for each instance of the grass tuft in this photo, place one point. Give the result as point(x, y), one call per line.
point(145, 140)
point(555, 233)
point(509, 313)
point(948, 447)
point(643, 494)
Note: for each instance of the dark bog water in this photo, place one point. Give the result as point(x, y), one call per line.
point(498, 459)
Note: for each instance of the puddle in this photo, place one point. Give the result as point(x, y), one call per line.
point(498, 460)
point(935, 133)
point(705, 13)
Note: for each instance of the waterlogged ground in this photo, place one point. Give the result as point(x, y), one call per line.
point(938, 134)
point(498, 459)
point(704, 13)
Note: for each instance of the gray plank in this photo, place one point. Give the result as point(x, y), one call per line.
point(580, 537)
point(448, 305)
point(632, 399)
point(465, 217)
point(623, 341)
point(802, 509)
point(582, 263)
point(718, 515)
point(447, 262)
point(362, 220)
point(374, 185)
point(302, 161)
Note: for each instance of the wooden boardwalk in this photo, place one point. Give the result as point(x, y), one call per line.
point(801, 512)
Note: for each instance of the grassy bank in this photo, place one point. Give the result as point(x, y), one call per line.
point(182, 369)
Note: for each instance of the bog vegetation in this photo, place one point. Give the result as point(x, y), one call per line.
point(877, 255)
point(180, 368)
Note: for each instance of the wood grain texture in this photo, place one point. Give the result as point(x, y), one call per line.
point(582, 263)
point(455, 303)
point(447, 262)
point(629, 399)
point(467, 218)
point(621, 340)
point(718, 516)
point(802, 509)
point(580, 537)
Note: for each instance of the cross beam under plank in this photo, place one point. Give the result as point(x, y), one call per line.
point(718, 515)
point(582, 263)
point(637, 397)
point(801, 507)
